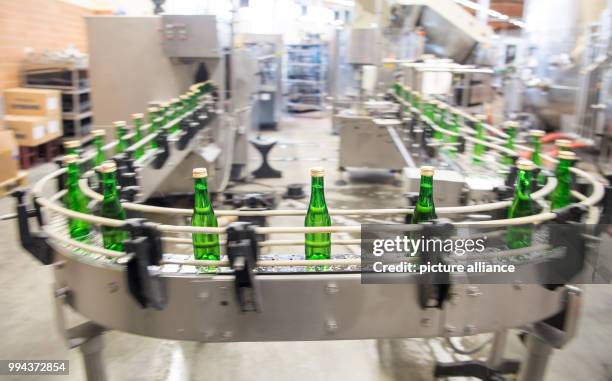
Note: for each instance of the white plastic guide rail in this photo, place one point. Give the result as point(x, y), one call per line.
point(51, 204)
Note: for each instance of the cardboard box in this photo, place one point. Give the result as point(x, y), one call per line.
point(31, 131)
point(9, 156)
point(32, 102)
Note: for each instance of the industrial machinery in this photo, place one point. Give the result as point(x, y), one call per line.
point(377, 62)
point(149, 290)
point(560, 76)
point(136, 60)
point(267, 50)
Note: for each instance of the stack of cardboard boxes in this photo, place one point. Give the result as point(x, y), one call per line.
point(9, 156)
point(34, 115)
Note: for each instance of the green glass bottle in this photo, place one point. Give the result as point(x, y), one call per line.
point(425, 210)
point(72, 147)
point(454, 127)
point(153, 114)
point(74, 199)
point(98, 142)
point(397, 89)
point(416, 100)
point(206, 87)
point(426, 107)
point(183, 104)
point(407, 95)
point(479, 148)
point(318, 245)
point(196, 89)
point(120, 132)
point(536, 142)
point(174, 113)
point(112, 237)
point(562, 195)
point(440, 110)
point(518, 236)
point(164, 113)
point(511, 128)
point(205, 245)
point(193, 99)
point(138, 123)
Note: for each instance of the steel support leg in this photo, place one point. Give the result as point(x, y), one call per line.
point(538, 354)
point(497, 349)
point(86, 336)
point(91, 350)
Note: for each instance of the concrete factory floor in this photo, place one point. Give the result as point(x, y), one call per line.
point(28, 328)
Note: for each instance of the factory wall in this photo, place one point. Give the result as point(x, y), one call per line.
point(44, 24)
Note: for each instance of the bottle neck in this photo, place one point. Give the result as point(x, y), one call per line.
point(98, 144)
point(317, 194)
point(537, 148)
point(510, 140)
point(479, 129)
point(109, 181)
point(137, 125)
point(120, 132)
point(73, 175)
point(523, 187)
point(563, 168)
point(426, 191)
point(201, 197)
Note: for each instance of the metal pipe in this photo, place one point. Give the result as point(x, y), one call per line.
point(538, 355)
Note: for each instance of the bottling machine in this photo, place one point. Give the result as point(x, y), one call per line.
point(375, 57)
point(178, 50)
point(150, 291)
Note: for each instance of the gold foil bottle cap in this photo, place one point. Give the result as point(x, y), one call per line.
point(317, 172)
point(98, 133)
point(108, 167)
point(512, 124)
point(137, 116)
point(153, 109)
point(536, 133)
point(525, 165)
point(72, 144)
point(199, 173)
point(566, 155)
point(427, 170)
point(119, 123)
point(563, 143)
point(72, 158)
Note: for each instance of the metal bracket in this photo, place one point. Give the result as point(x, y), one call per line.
point(243, 252)
point(566, 231)
point(559, 329)
point(146, 250)
point(606, 213)
point(434, 287)
point(511, 178)
point(163, 151)
point(34, 242)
